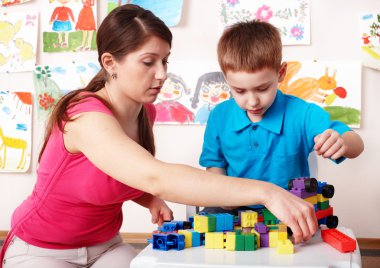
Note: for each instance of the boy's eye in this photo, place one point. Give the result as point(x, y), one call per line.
point(263, 89)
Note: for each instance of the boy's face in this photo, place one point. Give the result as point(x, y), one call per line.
point(255, 92)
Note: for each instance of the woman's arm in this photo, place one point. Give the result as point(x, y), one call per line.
point(100, 137)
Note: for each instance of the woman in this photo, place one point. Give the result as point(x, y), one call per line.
point(99, 152)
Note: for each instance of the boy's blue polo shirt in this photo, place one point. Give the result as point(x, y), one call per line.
point(276, 149)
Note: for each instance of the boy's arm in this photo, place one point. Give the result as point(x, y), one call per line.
point(355, 144)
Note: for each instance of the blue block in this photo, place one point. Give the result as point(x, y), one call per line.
point(195, 238)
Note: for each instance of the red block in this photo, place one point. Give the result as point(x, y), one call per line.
point(338, 240)
point(324, 213)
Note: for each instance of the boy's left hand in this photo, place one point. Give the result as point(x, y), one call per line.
point(330, 144)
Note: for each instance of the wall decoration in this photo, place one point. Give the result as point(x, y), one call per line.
point(15, 131)
point(189, 94)
point(6, 3)
point(292, 18)
point(333, 85)
point(167, 10)
point(52, 82)
point(370, 40)
point(18, 41)
point(70, 26)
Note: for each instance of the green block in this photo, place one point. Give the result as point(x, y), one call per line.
point(240, 242)
point(250, 242)
point(268, 216)
point(211, 223)
point(273, 227)
point(323, 205)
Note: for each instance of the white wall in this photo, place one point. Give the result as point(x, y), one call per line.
point(357, 182)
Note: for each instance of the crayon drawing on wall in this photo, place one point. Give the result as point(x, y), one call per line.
point(18, 41)
point(169, 11)
point(370, 40)
point(15, 131)
point(69, 25)
point(292, 18)
point(333, 85)
point(190, 92)
point(6, 3)
point(52, 82)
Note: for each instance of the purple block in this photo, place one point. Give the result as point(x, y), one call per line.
point(261, 228)
point(301, 193)
point(264, 240)
point(299, 183)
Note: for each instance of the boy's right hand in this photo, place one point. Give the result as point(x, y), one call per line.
point(296, 213)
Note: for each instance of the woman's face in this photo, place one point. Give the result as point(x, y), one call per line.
point(142, 73)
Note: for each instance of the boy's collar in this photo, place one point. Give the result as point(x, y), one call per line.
point(273, 118)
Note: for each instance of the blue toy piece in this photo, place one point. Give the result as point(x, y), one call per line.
point(175, 226)
point(325, 189)
point(168, 241)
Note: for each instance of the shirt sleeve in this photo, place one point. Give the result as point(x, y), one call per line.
point(212, 155)
point(317, 121)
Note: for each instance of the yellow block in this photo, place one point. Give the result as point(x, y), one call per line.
point(321, 199)
point(312, 199)
point(188, 238)
point(282, 236)
point(273, 238)
point(200, 224)
point(248, 218)
point(230, 241)
point(214, 240)
point(257, 237)
point(285, 247)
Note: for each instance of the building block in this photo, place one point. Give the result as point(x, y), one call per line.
point(312, 199)
point(338, 240)
point(168, 241)
point(324, 213)
point(214, 240)
point(201, 223)
point(195, 238)
point(321, 198)
point(248, 218)
point(325, 189)
point(323, 205)
point(257, 237)
point(240, 242)
point(273, 238)
point(261, 228)
point(188, 238)
point(230, 241)
point(250, 242)
point(310, 185)
point(285, 247)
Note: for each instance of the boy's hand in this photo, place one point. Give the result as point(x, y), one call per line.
point(330, 144)
point(160, 211)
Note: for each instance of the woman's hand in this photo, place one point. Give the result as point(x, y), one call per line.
point(158, 209)
point(296, 213)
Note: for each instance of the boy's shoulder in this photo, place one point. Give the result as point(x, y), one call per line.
point(225, 105)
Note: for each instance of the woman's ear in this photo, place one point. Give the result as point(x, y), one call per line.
point(282, 72)
point(108, 62)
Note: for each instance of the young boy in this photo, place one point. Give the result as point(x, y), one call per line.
point(262, 133)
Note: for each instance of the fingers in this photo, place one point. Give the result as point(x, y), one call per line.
point(329, 144)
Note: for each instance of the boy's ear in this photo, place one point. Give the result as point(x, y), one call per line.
point(282, 72)
point(108, 62)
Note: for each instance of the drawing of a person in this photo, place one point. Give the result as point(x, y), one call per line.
point(169, 109)
point(212, 89)
point(86, 24)
point(61, 22)
point(366, 40)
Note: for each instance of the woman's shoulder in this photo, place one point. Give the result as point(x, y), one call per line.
point(89, 102)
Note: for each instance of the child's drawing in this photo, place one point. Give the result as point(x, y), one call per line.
point(71, 26)
point(335, 86)
point(168, 108)
point(292, 18)
point(5, 3)
point(18, 41)
point(15, 131)
point(370, 40)
point(211, 89)
point(167, 10)
point(52, 82)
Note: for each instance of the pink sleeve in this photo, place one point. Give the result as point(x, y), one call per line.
point(151, 109)
point(89, 104)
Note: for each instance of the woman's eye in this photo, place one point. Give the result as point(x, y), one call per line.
point(165, 62)
point(148, 63)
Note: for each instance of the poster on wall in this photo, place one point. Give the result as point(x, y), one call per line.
point(191, 91)
point(15, 131)
point(18, 41)
point(333, 85)
point(370, 39)
point(169, 11)
point(69, 25)
point(7, 3)
point(52, 82)
point(292, 18)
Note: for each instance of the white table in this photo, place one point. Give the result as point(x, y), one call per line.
point(314, 253)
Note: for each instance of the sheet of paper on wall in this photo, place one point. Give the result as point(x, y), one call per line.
point(52, 82)
point(292, 18)
point(15, 131)
point(69, 26)
point(18, 41)
point(6, 3)
point(191, 91)
point(169, 11)
point(333, 85)
point(370, 39)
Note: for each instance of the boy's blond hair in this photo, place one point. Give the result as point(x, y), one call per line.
point(250, 46)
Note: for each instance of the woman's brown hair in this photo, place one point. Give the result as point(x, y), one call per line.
point(123, 31)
